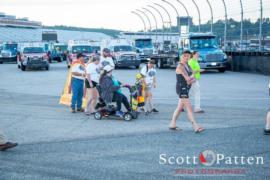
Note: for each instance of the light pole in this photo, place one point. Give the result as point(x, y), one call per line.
point(162, 19)
point(168, 16)
point(183, 5)
point(138, 15)
point(148, 19)
point(154, 19)
point(178, 16)
point(199, 14)
point(225, 24)
point(212, 15)
point(261, 22)
point(241, 30)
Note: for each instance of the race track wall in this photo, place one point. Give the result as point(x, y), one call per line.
point(251, 63)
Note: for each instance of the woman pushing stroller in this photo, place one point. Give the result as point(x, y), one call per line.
point(110, 90)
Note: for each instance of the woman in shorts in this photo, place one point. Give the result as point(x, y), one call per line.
point(91, 81)
point(184, 80)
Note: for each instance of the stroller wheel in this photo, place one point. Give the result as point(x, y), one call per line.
point(134, 114)
point(127, 117)
point(98, 116)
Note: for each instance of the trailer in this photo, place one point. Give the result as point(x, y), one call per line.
point(167, 56)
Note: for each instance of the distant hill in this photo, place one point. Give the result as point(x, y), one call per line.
point(110, 32)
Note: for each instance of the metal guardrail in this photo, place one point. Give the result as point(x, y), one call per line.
point(243, 11)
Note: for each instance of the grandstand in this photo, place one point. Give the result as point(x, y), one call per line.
point(19, 34)
point(22, 30)
point(66, 35)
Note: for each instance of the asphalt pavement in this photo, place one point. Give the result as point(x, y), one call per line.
point(55, 144)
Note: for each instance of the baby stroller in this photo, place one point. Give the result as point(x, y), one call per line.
point(109, 110)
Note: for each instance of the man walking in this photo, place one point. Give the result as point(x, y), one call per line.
point(4, 145)
point(106, 58)
point(195, 88)
point(77, 83)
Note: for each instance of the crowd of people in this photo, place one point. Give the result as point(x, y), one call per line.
point(99, 71)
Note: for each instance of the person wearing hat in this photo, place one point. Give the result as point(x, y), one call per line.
point(77, 83)
point(4, 145)
point(91, 81)
point(106, 58)
point(111, 90)
point(149, 73)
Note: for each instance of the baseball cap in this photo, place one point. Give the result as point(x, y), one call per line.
point(106, 50)
point(79, 55)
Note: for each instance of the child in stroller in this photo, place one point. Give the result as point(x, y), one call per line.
point(110, 91)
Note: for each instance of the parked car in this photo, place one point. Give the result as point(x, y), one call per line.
point(9, 52)
point(87, 47)
point(33, 57)
point(57, 52)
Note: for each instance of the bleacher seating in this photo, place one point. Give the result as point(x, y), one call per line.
point(26, 35)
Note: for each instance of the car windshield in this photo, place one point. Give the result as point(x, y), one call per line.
point(28, 50)
point(82, 49)
point(143, 44)
point(10, 47)
point(122, 48)
point(96, 48)
point(203, 42)
point(61, 47)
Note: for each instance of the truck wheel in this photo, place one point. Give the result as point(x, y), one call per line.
point(47, 68)
point(19, 67)
point(23, 67)
point(160, 64)
point(222, 70)
point(137, 67)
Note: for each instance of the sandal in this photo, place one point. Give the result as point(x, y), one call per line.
point(199, 130)
point(266, 131)
point(175, 129)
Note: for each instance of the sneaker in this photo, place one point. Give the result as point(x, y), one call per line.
point(147, 113)
point(119, 113)
point(266, 131)
point(8, 145)
point(154, 110)
point(80, 110)
point(199, 111)
point(72, 110)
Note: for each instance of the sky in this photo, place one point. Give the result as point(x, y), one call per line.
point(116, 14)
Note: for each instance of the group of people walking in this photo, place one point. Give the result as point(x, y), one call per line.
point(99, 71)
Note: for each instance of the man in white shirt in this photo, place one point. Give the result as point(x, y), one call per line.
point(77, 83)
point(106, 58)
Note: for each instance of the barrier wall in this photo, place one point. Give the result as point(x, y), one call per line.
point(250, 63)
